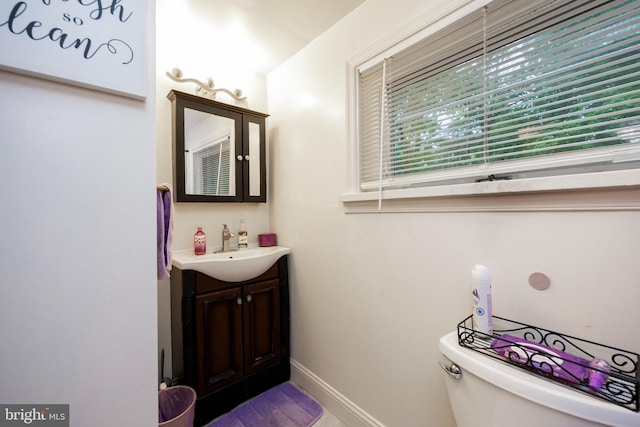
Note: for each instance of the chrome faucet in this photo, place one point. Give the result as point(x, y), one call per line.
point(226, 237)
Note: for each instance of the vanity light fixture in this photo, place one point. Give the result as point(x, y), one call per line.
point(206, 88)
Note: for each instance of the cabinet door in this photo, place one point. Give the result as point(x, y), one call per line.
point(254, 164)
point(261, 324)
point(219, 338)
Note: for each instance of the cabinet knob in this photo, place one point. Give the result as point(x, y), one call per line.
point(239, 157)
point(239, 301)
point(246, 157)
point(249, 298)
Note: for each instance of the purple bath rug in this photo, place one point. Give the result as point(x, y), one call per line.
point(281, 406)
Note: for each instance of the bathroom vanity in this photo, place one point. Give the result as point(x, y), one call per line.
point(230, 340)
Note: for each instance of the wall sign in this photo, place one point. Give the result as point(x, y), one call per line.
point(98, 44)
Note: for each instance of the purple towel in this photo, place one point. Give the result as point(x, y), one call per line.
point(164, 213)
point(281, 406)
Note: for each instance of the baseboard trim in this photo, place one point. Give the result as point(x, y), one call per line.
point(348, 412)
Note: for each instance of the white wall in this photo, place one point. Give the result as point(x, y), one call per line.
point(372, 293)
point(202, 45)
point(77, 249)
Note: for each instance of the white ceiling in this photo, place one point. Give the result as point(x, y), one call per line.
point(277, 28)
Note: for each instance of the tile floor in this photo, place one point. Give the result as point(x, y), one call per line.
point(329, 420)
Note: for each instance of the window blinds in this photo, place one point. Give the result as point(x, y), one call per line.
point(512, 88)
point(213, 168)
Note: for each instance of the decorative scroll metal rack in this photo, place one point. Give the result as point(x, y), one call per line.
point(621, 387)
point(205, 88)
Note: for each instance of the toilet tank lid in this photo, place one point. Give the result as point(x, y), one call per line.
point(533, 388)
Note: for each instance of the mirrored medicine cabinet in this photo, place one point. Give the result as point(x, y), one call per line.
point(219, 151)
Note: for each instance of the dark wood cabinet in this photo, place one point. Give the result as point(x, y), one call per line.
point(219, 151)
point(261, 325)
point(218, 339)
point(230, 341)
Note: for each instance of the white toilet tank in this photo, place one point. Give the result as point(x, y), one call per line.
point(490, 393)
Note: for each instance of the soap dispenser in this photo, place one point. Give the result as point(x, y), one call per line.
point(200, 242)
point(243, 235)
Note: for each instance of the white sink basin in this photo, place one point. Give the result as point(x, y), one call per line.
point(234, 266)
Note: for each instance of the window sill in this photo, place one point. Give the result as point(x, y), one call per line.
point(603, 191)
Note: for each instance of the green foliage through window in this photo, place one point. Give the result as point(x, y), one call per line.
point(572, 85)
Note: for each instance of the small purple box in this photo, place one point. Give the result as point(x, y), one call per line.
point(267, 239)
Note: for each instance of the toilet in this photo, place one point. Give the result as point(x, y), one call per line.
point(486, 392)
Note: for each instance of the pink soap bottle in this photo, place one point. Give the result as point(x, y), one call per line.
point(200, 242)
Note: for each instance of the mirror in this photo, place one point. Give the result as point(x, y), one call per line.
point(254, 154)
point(209, 146)
point(219, 151)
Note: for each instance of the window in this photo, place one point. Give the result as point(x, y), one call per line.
point(513, 90)
point(211, 165)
